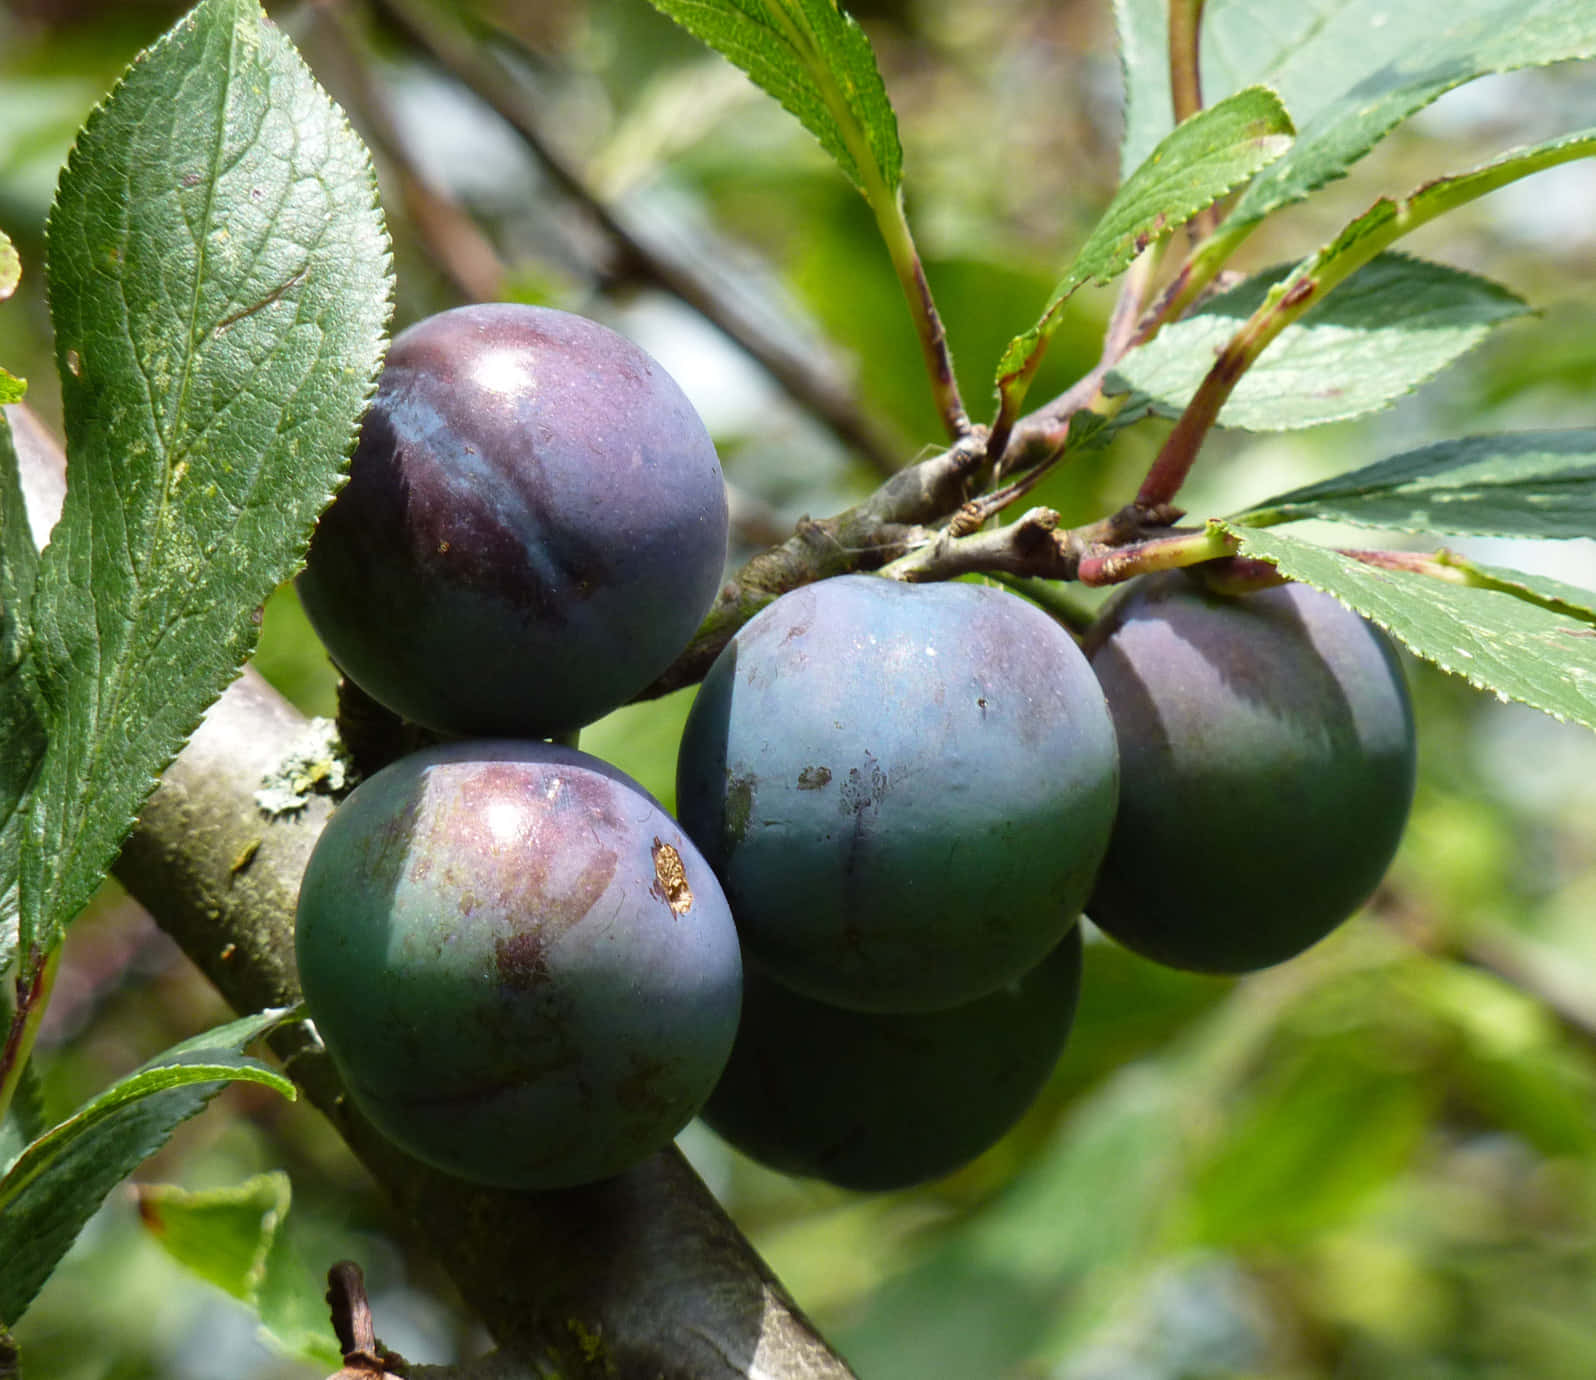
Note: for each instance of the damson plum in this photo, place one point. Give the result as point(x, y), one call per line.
point(904, 789)
point(523, 970)
point(533, 527)
point(879, 1101)
point(1267, 757)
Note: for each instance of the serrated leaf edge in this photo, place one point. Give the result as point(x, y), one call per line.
point(1239, 532)
point(240, 10)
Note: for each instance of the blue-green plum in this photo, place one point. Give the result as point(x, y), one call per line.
point(1267, 756)
point(904, 789)
point(876, 1101)
point(534, 526)
point(523, 970)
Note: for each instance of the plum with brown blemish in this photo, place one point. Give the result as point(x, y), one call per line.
point(534, 525)
point(904, 789)
point(1267, 767)
point(522, 968)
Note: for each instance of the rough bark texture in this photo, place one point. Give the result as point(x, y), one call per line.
point(640, 1276)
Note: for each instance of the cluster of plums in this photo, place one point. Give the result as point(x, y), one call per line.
point(906, 795)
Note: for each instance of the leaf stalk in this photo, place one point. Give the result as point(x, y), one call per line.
point(35, 980)
point(906, 263)
point(1185, 80)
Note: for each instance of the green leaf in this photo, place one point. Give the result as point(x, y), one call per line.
point(1309, 52)
point(58, 1182)
point(1348, 70)
point(20, 729)
point(11, 389)
point(1509, 1053)
point(1143, 28)
point(1286, 1170)
point(1526, 484)
point(1302, 292)
point(1389, 219)
point(223, 1235)
point(1548, 593)
point(1208, 156)
point(1438, 48)
point(815, 60)
point(19, 557)
point(1379, 335)
point(1493, 637)
point(1084, 1214)
point(219, 286)
point(240, 1239)
point(292, 1297)
point(24, 1119)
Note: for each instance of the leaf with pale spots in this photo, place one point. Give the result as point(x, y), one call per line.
point(219, 286)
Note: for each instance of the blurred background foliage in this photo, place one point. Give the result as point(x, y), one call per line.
point(1376, 1161)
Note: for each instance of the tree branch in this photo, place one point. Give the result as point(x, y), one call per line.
point(640, 1277)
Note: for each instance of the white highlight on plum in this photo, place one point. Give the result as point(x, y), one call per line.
point(503, 819)
point(504, 371)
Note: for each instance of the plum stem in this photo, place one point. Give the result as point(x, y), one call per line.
point(1160, 553)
